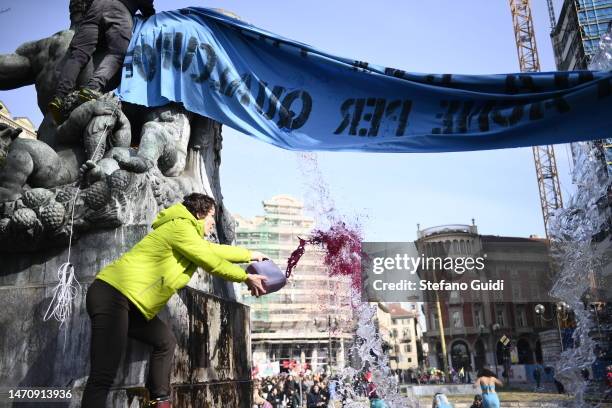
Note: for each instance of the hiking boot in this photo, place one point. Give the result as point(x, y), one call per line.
point(86, 95)
point(56, 109)
point(163, 402)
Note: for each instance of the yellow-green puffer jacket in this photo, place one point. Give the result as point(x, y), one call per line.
point(165, 259)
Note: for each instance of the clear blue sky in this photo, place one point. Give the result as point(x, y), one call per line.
point(394, 191)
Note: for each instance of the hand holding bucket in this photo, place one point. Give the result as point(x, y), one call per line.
point(275, 279)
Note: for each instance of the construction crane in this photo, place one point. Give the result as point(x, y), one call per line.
point(544, 156)
point(551, 14)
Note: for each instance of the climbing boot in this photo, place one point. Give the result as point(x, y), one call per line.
point(56, 109)
point(163, 402)
point(86, 95)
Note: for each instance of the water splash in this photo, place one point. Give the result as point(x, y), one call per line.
point(318, 199)
point(341, 241)
point(369, 357)
point(581, 252)
point(580, 262)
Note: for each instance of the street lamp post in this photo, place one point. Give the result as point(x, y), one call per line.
point(561, 307)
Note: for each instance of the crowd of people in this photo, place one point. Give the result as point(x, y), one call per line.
point(435, 376)
point(288, 391)
point(317, 390)
point(312, 391)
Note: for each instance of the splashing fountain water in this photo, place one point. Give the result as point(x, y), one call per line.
point(581, 248)
point(341, 242)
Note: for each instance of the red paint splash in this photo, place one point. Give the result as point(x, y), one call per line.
point(295, 256)
point(342, 246)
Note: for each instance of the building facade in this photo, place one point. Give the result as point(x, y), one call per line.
point(469, 326)
point(578, 30)
point(575, 41)
point(405, 352)
point(309, 321)
point(28, 129)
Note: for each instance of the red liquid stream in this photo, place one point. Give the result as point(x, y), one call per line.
point(342, 246)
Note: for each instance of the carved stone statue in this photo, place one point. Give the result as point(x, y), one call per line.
point(102, 175)
point(87, 173)
point(36, 62)
point(92, 127)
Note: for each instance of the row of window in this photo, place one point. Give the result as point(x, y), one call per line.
point(405, 334)
point(528, 290)
point(292, 318)
point(456, 318)
point(600, 14)
point(282, 299)
point(267, 236)
point(445, 248)
point(591, 46)
point(594, 30)
point(283, 222)
point(403, 320)
point(593, 3)
point(407, 348)
point(307, 298)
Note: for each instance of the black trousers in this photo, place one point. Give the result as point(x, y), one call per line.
point(108, 22)
point(114, 318)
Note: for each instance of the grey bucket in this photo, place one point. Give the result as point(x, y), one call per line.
point(276, 277)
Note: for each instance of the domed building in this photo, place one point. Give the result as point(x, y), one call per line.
point(466, 329)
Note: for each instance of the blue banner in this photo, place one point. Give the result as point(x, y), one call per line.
point(297, 97)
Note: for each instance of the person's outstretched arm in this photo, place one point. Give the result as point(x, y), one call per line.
point(185, 239)
point(235, 254)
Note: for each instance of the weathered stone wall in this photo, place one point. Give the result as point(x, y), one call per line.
point(212, 359)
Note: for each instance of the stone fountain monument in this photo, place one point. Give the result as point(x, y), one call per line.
point(84, 192)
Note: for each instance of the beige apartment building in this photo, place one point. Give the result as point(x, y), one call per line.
point(310, 320)
point(405, 337)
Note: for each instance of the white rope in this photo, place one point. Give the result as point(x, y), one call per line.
point(64, 294)
point(68, 287)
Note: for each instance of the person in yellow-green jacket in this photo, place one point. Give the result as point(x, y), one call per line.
point(126, 296)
